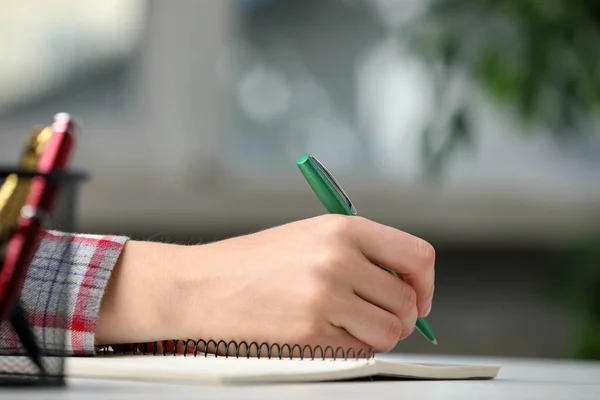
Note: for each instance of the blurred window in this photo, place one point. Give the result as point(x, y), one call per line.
point(68, 54)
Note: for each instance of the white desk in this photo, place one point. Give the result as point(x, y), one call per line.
point(518, 379)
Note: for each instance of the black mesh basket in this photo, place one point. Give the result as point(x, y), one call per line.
point(16, 368)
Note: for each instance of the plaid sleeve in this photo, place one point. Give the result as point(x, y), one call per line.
point(63, 289)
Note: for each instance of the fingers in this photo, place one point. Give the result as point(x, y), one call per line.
point(370, 324)
point(409, 256)
point(386, 291)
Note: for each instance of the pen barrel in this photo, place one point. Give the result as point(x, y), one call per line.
point(54, 158)
point(321, 185)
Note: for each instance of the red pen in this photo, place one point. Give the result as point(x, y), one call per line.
point(54, 158)
point(39, 204)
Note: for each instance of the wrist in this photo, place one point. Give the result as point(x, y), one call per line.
point(141, 296)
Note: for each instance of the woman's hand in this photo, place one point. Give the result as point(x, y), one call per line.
point(309, 282)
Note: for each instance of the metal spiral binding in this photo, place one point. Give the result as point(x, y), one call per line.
point(265, 350)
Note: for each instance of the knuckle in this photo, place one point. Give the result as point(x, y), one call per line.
point(330, 260)
point(309, 331)
point(409, 324)
point(319, 299)
point(316, 297)
point(408, 330)
point(338, 225)
point(393, 332)
point(427, 252)
point(430, 291)
point(408, 300)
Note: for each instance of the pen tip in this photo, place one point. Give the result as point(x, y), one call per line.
point(434, 341)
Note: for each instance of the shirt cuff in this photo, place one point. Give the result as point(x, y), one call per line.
point(63, 290)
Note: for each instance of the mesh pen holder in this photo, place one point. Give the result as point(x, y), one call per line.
point(16, 368)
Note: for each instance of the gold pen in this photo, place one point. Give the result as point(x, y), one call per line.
point(15, 189)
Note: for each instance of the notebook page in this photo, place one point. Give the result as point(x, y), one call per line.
point(216, 369)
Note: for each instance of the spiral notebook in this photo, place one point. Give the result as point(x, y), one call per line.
point(269, 364)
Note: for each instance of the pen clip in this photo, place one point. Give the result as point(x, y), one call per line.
point(335, 184)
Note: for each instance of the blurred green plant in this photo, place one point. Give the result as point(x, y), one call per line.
point(576, 280)
point(539, 59)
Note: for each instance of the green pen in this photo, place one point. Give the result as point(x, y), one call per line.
point(336, 201)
